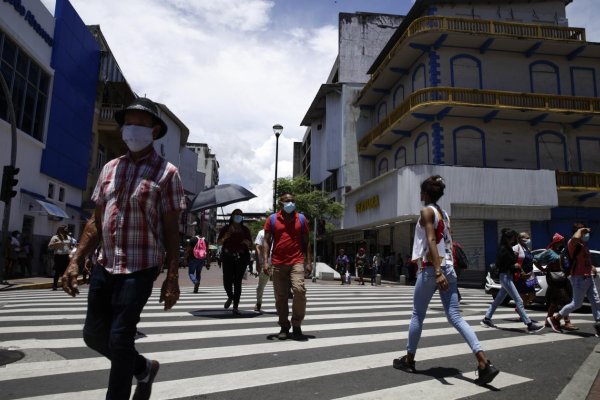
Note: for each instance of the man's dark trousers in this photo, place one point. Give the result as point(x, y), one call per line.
point(115, 303)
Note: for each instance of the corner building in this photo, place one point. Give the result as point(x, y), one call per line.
point(500, 98)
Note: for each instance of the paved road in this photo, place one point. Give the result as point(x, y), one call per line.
point(356, 333)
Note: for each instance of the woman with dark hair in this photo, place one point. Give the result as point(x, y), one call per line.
point(507, 264)
point(432, 250)
point(235, 239)
point(61, 245)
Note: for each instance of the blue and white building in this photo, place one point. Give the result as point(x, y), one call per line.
point(501, 99)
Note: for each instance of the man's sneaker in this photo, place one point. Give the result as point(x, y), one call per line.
point(403, 364)
point(257, 307)
point(554, 324)
point(143, 388)
point(196, 286)
point(235, 311)
point(597, 328)
point(283, 333)
point(487, 374)
point(534, 328)
point(487, 323)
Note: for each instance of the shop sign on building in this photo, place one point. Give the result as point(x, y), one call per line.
point(364, 205)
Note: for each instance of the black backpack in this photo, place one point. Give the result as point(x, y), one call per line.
point(461, 261)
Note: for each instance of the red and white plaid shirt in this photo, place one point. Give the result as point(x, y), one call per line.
point(134, 195)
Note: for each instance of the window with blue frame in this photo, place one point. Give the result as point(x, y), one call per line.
point(398, 96)
point(551, 151)
point(400, 158)
point(422, 149)
point(418, 79)
point(383, 167)
point(469, 146)
point(544, 77)
point(588, 149)
point(28, 85)
point(466, 72)
point(381, 112)
point(583, 82)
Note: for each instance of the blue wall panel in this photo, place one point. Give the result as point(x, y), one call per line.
point(76, 60)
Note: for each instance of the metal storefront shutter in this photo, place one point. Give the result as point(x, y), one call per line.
point(469, 234)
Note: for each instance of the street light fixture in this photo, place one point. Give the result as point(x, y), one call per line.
point(277, 129)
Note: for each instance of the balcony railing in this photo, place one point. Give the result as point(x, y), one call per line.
point(107, 112)
point(578, 180)
point(478, 98)
point(481, 26)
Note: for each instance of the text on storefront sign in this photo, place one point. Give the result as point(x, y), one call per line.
point(364, 205)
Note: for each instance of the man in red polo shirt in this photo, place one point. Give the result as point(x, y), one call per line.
point(288, 236)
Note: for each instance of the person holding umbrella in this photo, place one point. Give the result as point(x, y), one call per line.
point(235, 239)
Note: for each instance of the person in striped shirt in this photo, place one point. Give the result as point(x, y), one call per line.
point(139, 198)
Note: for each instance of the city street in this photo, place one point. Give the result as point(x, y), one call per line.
point(354, 334)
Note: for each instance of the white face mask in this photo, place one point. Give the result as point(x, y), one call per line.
point(527, 243)
point(289, 207)
point(585, 237)
point(137, 137)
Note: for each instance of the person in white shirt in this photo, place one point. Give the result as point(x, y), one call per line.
point(61, 245)
point(262, 277)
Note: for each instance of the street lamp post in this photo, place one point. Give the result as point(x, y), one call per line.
point(277, 129)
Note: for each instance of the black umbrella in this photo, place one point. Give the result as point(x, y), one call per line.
point(219, 196)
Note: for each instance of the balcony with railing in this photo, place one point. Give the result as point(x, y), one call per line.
point(578, 181)
point(469, 29)
point(572, 107)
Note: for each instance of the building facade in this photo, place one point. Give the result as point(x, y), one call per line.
point(501, 100)
point(50, 64)
point(209, 166)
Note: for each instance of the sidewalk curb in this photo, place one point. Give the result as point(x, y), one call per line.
point(581, 383)
point(43, 285)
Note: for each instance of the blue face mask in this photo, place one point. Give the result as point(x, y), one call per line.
point(289, 207)
point(585, 237)
point(238, 219)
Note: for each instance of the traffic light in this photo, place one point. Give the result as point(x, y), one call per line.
point(9, 181)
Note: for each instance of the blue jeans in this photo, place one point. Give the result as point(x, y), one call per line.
point(424, 289)
point(115, 303)
point(582, 286)
point(508, 288)
point(195, 269)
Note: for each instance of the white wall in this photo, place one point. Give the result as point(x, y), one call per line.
point(547, 11)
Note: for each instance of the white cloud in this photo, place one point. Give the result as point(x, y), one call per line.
point(225, 72)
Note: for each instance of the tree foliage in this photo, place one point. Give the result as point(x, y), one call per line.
point(313, 203)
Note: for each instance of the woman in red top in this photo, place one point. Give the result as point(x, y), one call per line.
point(235, 239)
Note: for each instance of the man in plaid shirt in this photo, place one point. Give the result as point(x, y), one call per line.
point(139, 197)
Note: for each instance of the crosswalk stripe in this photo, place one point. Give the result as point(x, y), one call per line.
point(47, 368)
point(195, 335)
point(450, 388)
point(202, 385)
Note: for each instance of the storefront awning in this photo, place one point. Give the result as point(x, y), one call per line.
point(53, 209)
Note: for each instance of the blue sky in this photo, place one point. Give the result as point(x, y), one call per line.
point(231, 69)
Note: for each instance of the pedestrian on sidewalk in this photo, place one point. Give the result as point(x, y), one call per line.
point(432, 249)
point(286, 234)
point(583, 273)
point(559, 292)
point(139, 197)
point(236, 240)
point(341, 265)
point(375, 268)
point(525, 280)
point(263, 277)
point(196, 255)
point(61, 245)
point(507, 264)
point(361, 261)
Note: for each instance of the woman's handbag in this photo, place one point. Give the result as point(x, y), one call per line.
point(558, 276)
